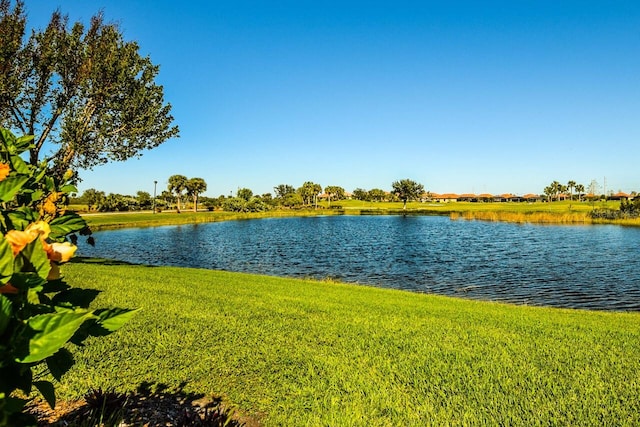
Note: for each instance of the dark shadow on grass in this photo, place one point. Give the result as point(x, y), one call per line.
point(152, 404)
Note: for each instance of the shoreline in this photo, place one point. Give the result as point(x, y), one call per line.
point(514, 214)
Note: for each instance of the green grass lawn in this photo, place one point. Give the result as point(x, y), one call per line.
point(295, 352)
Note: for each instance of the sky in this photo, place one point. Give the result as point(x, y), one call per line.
point(461, 96)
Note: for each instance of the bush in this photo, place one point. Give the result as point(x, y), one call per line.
point(39, 312)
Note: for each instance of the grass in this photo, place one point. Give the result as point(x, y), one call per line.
point(563, 212)
point(295, 352)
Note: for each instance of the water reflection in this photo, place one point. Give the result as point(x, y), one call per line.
point(593, 267)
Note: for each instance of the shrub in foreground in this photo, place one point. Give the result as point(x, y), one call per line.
point(39, 313)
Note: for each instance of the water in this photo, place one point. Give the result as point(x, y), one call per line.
point(593, 267)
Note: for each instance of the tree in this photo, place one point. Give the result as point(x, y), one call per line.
point(407, 189)
point(93, 197)
point(195, 187)
point(335, 192)
point(177, 185)
point(292, 200)
point(377, 195)
point(360, 194)
point(245, 194)
point(580, 191)
point(309, 191)
point(86, 93)
point(283, 190)
point(144, 199)
point(571, 185)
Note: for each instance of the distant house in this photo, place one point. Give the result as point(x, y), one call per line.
point(468, 197)
point(530, 198)
point(619, 196)
point(507, 197)
point(485, 197)
point(445, 198)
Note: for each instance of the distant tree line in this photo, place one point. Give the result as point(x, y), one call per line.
point(284, 196)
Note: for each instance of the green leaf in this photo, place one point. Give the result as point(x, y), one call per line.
point(48, 392)
point(69, 189)
point(66, 224)
point(34, 258)
point(20, 165)
point(22, 217)
point(113, 319)
point(8, 139)
point(6, 261)
point(52, 331)
point(37, 195)
point(49, 183)
point(60, 363)
point(24, 143)
point(26, 281)
point(5, 312)
point(10, 186)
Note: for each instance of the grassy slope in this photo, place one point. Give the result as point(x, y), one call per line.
point(296, 352)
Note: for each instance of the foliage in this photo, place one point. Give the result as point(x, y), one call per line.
point(144, 200)
point(239, 204)
point(629, 209)
point(309, 192)
point(406, 190)
point(360, 194)
point(377, 195)
point(86, 92)
point(320, 353)
point(245, 194)
point(177, 185)
point(93, 198)
point(283, 190)
point(195, 187)
point(39, 313)
point(334, 192)
point(292, 200)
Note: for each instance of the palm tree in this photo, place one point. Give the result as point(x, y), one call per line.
point(195, 187)
point(571, 185)
point(177, 184)
point(580, 191)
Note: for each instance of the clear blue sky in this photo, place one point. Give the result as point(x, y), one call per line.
point(462, 96)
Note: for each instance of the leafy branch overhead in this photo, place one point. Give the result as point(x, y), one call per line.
point(85, 92)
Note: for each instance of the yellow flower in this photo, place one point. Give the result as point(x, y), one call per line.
point(60, 252)
point(49, 204)
point(19, 239)
point(39, 228)
point(4, 171)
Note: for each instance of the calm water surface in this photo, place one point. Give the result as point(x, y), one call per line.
point(594, 267)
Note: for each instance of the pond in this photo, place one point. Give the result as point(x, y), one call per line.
point(592, 267)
